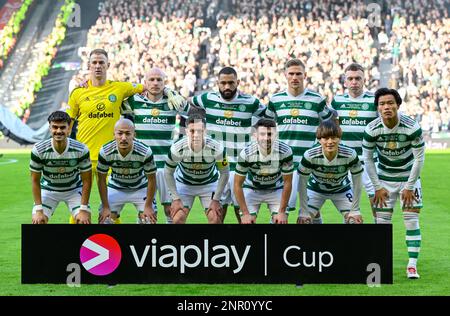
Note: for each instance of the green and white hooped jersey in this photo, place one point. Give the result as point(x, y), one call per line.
point(394, 147)
point(298, 118)
point(196, 168)
point(129, 172)
point(265, 172)
point(354, 115)
point(154, 122)
point(329, 176)
point(60, 172)
point(230, 122)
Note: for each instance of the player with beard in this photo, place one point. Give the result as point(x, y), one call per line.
point(265, 170)
point(230, 115)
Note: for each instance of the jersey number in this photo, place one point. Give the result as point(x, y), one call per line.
point(349, 197)
point(418, 193)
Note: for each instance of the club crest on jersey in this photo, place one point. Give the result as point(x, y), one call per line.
point(308, 106)
point(242, 108)
point(224, 162)
point(264, 171)
point(112, 98)
point(402, 138)
point(101, 107)
point(365, 106)
point(295, 112)
point(353, 113)
point(72, 163)
point(391, 145)
point(136, 164)
point(154, 112)
point(228, 114)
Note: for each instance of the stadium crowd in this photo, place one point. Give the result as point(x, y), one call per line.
point(39, 63)
point(421, 65)
point(10, 32)
point(256, 37)
point(145, 35)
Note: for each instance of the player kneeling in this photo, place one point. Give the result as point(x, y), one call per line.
point(192, 169)
point(60, 172)
point(324, 175)
point(132, 176)
point(266, 166)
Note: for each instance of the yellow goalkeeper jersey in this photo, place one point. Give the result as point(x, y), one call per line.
point(97, 110)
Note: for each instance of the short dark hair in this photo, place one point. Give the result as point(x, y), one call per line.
point(194, 118)
point(354, 67)
point(328, 128)
point(98, 51)
point(59, 116)
point(228, 71)
point(294, 62)
point(195, 110)
point(386, 91)
point(265, 122)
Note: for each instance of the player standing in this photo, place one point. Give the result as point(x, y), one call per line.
point(356, 109)
point(398, 141)
point(298, 112)
point(155, 122)
point(229, 115)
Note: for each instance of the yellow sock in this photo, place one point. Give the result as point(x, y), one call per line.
point(72, 220)
point(117, 221)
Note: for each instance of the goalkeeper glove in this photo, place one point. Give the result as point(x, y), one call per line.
point(174, 100)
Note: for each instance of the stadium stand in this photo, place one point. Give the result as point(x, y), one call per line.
point(9, 32)
point(191, 40)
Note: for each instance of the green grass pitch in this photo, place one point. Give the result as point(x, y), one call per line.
point(434, 260)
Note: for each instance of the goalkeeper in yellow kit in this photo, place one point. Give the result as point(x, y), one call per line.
point(96, 106)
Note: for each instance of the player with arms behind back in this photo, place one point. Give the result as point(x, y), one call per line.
point(229, 116)
point(356, 109)
point(298, 112)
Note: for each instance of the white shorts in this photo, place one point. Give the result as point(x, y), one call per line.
point(228, 197)
point(51, 199)
point(292, 204)
point(189, 192)
point(366, 183)
point(161, 187)
point(118, 198)
point(342, 201)
point(395, 190)
point(254, 199)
